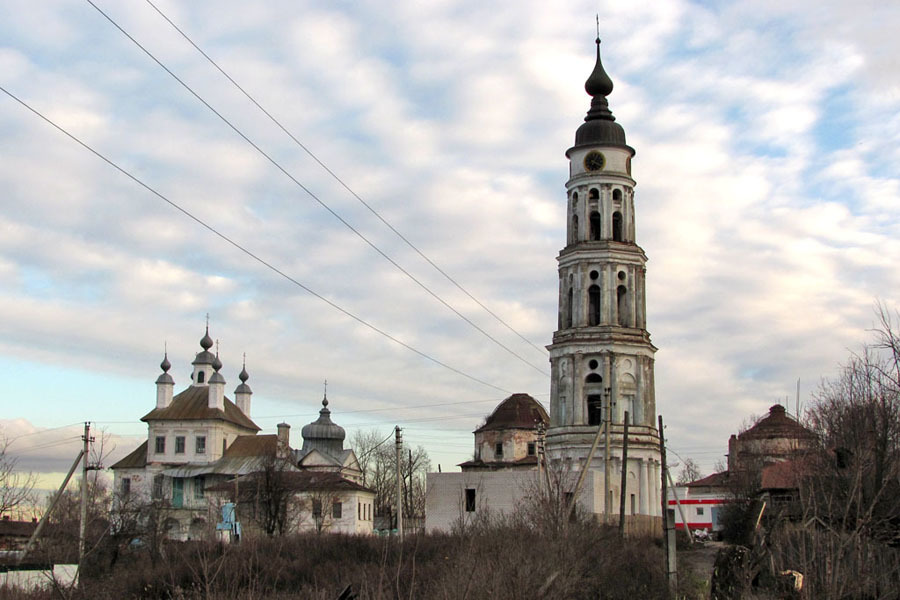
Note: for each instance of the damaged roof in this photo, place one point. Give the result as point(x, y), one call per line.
point(519, 411)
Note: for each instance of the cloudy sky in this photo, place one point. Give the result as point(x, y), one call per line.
point(767, 151)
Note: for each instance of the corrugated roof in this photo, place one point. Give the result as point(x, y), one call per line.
point(714, 480)
point(303, 481)
point(193, 404)
point(519, 411)
point(246, 454)
point(136, 460)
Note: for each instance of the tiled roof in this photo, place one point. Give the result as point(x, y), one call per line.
point(193, 404)
point(519, 411)
point(783, 475)
point(136, 460)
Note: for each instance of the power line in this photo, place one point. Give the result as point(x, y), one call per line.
point(263, 262)
point(341, 181)
point(309, 192)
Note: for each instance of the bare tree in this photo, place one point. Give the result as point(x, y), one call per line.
point(268, 495)
point(690, 471)
point(16, 488)
point(377, 459)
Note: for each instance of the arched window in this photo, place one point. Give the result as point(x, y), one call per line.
point(595, 226)
point(574, 199)
point(574, 228)
point(594, 194)
point(593, 387)
point(569, 305)
point(594, 305)
point(617, 226)
point(200, 375)
point(617, 194)
point(622, 305)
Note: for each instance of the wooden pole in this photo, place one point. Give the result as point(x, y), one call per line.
point(607, 500)
point(668, 526)
point(84, 492)
point(398, 441)
point(40, 526)
point(622, 494)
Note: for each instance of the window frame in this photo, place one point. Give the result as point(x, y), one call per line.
point(470, 500)
point(200, 444)
point(180, 444)
point(160, 444)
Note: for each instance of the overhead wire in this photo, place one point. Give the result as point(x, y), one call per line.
point(341, 181)
point(312, 195)
point(246, 251)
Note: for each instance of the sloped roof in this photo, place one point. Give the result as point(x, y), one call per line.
point(777, 424)
point(10, 528)
point(136, 460)
point(193, 405)
point(714, 480)
point(784, 475)
point(519, 411)
point(246, 454)
point(303, 481)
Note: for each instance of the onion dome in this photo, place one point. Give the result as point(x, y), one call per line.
point(322, 434)
point(242, 387)
point(216, 363)
point(205, 357)
point(599, 125)
point(165, 365)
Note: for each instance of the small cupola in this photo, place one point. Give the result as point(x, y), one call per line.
point(164, 384)
point(216, 385)
point(242, 392)
point(203, 362)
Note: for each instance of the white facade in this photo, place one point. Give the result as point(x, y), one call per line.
point(457, 499)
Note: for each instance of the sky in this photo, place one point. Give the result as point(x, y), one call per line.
point(767, 190)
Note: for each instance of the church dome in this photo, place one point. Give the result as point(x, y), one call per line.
point(599, 127)
point(323, 434)
point(519, 411)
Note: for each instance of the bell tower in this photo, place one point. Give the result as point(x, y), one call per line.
point(601, 357)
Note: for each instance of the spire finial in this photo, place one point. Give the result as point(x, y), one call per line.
point(325, 396)
point(217, 364)
point(598, 28)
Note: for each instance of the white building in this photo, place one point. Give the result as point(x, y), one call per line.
point(199, 441)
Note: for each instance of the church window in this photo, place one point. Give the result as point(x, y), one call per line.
point(595, 409)
point(594, 305)
point(337, 510)
point(633, 504)
point(574, 228)
point(595, 226)
point(575, 200)
point(569, 307)
point(594, 194)
point(621, 297)
point(200, 376)
point(498, 450)
point(317, 508)
point(531, 448)
point(126, 486)
point(617, 227)
point(470, 500)
point(593, 364)
point(179, 444)
point(358, 511)
point(617, 194)
point(594, 275)
point(200, 445)
point(199, 487)
point(160, 444)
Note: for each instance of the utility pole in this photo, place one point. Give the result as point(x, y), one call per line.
point(540, 453)
point(398, 441)
point(622, 495)
point(607, 501)
point(84, 490)
point(668, 525)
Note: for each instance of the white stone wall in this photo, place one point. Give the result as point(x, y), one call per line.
point(496, 492)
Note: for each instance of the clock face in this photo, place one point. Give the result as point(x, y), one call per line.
point(594, 161)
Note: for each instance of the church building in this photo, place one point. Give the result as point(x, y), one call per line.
point(601, 357)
